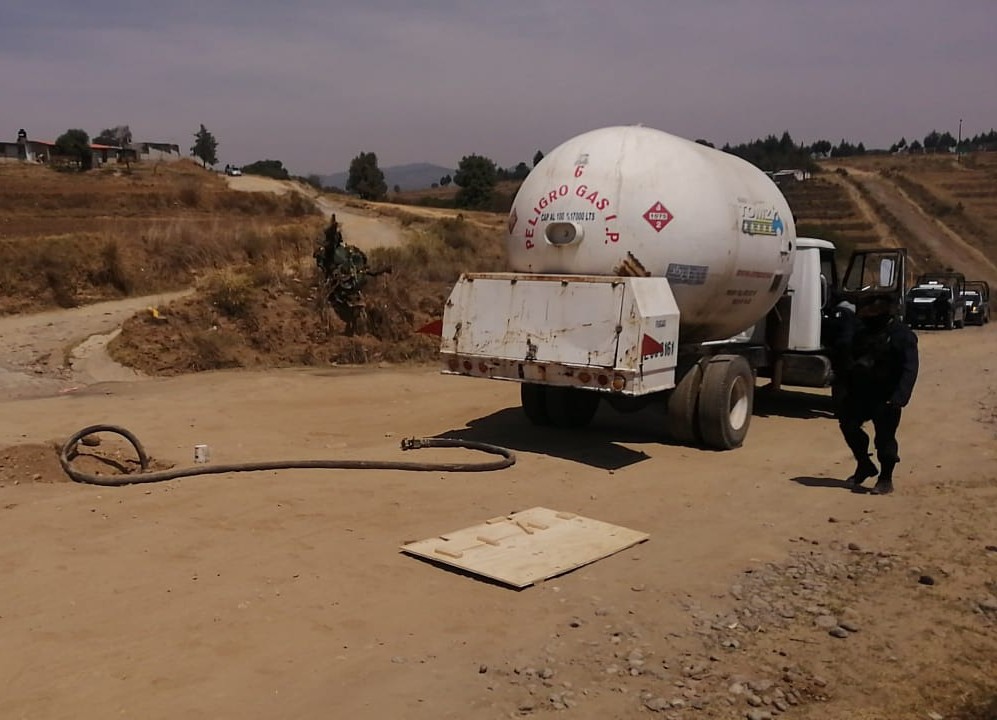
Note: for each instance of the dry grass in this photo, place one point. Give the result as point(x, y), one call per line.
point(270, 314)
point(69, 239)
point(963, 196)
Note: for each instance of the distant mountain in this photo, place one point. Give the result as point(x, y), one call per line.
point(415, 176)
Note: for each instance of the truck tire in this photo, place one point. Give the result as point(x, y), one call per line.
point(961, 323)
point(726, 401)
point(950, 321)
point(682, 420)
point(534, 401)
point(570, 407)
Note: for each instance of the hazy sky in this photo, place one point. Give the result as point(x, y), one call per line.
point(314, 83)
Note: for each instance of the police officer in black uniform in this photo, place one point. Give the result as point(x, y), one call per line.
point(874, 382)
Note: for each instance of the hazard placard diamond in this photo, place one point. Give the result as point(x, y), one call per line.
point(658, 216)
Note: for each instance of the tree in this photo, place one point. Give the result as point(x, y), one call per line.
point(118, 136)
point(946, 142)
point(773, 153)
point(846, 149)
point(537, 158)
point(476, 176)
point(397, 188)
point(707, 143)
point(267, 168)
point(821, 148)
point(521, 171)
point(205, 147)
point(366, 178)
point(76, 143)
point(445, 180)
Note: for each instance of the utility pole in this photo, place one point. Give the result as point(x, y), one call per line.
point(958, 146)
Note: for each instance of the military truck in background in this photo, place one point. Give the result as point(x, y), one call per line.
point(936, 301)
point(976, 298)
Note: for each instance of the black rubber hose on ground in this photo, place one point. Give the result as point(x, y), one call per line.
point(69, 452)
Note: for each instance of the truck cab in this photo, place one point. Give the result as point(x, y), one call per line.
point(799, 354)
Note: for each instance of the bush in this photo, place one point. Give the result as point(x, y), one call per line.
point(230, 292)
point(115, 270)
point(189, 194)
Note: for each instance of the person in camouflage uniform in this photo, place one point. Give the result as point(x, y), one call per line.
point(345, 272)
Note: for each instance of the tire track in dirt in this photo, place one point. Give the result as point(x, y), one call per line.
point(37, 355)
point(868, 212)
point(930, 241)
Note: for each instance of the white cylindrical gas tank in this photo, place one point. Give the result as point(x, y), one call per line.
point(638, 201)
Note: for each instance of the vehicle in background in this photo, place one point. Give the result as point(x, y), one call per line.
point(977, 302)
point(233, 171)
point(936, 301)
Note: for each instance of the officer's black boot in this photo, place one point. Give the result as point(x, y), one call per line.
point(884, 486)
point(864, 470)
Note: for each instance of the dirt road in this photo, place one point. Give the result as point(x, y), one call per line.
point(363, 230)
point(926, 233)
point(60, 350)
point(285, 595)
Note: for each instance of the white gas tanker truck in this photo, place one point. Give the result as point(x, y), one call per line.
point(647, 267)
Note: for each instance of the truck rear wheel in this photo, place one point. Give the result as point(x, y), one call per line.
point(571, 407)
point(534, 401)
point(682, 420)
point(726, 401)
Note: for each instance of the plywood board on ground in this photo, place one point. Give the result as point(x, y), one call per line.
point(528, 546)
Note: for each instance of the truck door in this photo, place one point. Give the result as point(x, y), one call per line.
point(877, 273)
point(828, 275)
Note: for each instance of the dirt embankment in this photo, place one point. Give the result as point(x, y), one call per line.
point(267, 319)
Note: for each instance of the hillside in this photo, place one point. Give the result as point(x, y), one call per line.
point(69, 239)
point(941, 208)
point(74, 238)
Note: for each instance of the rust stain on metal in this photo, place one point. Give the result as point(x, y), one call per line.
point(631, 267)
